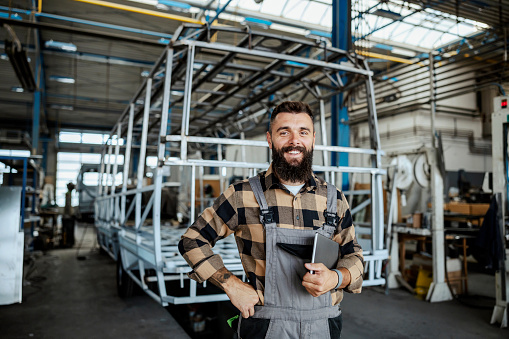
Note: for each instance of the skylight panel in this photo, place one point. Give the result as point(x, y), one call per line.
point(414, 19)
point(251, 5)
point(272, 7)
point(416, 34)
point(445, 38)
point(314, 12)
point(326, 19)
point(445, 26)
point(430, 39)
point(295, 9)
point(463, 29)
point(396, 33)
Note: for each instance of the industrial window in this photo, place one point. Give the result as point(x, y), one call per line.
point(69, 163)
point(10, 153)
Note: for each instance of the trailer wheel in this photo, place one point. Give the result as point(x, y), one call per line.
point(125, 285)
point(99, 242)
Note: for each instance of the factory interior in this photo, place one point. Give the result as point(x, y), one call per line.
point(121, 121)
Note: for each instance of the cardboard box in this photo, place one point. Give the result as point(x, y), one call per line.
point(413, 220)
point(479, 209)
point(456, 286)
point(465, 208)
point(459, 207)
point(417, 220)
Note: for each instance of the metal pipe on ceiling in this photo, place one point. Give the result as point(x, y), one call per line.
point(387, 57)
point(87, 22)
point(82, 31)
point(141, 11)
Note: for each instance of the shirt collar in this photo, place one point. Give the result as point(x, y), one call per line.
point(271, 180)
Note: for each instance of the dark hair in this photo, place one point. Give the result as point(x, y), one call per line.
point(291, 107)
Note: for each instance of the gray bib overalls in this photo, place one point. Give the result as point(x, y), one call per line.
point(289, 311)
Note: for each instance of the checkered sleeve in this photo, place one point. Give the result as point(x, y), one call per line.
point(215, 223)
point(350, 251)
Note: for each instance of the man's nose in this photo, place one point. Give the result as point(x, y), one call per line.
point(295, 139)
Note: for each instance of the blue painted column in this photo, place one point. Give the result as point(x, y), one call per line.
point(340, 131)
point(38, 95)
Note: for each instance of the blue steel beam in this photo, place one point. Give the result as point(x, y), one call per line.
point(221, 10)
point(38, 94)
point(340, 130)
point(88, 22)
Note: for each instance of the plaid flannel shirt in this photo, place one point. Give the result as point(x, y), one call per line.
point(236, 211)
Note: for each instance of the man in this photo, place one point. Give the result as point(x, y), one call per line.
point(274, 217)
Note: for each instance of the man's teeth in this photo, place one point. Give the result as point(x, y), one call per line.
point(294, 152)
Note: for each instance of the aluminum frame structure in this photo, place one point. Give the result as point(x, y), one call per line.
point(205, 94)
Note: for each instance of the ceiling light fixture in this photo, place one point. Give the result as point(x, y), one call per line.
point(64, 46)
point(64, 107)
point(17, 89)
point(64, 80)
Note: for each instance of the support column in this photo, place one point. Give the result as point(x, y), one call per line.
point(340, 130)
point(438, 291)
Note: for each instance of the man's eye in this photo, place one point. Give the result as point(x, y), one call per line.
point(284, 133)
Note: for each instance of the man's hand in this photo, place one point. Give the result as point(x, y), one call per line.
point(242, 295)
point(323, 280)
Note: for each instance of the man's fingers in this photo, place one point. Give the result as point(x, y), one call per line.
point(318, 267)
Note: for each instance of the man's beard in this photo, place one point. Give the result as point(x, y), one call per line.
point(293, 171)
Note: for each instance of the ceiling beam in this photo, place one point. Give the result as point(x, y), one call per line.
point(81, 31)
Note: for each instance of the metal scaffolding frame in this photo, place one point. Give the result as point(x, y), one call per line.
point(205, 94)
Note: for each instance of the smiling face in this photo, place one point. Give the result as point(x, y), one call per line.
point(292, 139)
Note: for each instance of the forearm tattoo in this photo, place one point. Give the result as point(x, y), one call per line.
point(220, 277)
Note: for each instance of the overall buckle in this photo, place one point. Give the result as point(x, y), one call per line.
point(267, 216)
point(331, 219)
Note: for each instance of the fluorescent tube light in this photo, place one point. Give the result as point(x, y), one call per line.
point(64, 107)
point(65, 80)
point(64, 46)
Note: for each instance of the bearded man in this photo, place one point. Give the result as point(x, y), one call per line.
point(274, 217)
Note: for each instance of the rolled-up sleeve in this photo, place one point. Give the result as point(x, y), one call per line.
point(350, 256)
point(215, 223)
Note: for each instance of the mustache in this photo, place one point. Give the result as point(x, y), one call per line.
point(293, 148)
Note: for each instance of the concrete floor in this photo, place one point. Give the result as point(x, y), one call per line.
point(69, 298)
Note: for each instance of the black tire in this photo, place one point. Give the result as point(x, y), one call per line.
point(125, 285)
point(101, 249)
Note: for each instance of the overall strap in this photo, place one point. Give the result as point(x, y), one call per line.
point(331, 213)
point(266, 216)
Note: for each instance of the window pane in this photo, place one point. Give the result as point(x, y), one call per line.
point(60, 200)
point(91, 178)
point(120, 159)
point(69, 166)
point(90, 138)
point(90, 158)
point(67, 175)
point(69, 137)
point(151, 161)
point(14, 153)
point(68, 156)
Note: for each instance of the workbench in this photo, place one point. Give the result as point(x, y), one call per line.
point(401, 234)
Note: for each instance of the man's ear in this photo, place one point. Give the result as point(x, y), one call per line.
point(269, 140)
point(314, 139)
